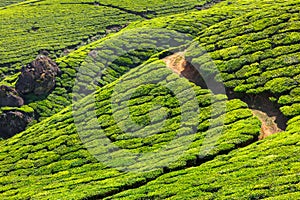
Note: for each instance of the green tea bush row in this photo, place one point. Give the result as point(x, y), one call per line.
point(268, 169)
point(60, 97)
point(29, 28)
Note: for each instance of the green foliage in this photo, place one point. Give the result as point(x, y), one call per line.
point(292, 110)
point(254, 54)
point(281, 85)
point(25, 109)
point(65, 25)
point(29, 28)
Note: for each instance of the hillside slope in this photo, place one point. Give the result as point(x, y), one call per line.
point(56, 154)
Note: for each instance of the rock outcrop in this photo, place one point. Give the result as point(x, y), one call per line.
point(13, 122)
point(10, 97)
point(38, 77)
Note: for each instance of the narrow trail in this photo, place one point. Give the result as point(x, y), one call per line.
point(271, 118)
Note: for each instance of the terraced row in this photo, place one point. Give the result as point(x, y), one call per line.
point(30, 28)
point(150, 122)
point(268, 169)
point(104, 64)
point(72, 30)
point(130, 52)
point(150, 8)
point(33, 26)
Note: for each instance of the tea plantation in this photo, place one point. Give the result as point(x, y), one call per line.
point(120, 124)
point(265, 170)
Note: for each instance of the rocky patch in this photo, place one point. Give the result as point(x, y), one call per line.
point(10, 97)
point(269, 126)
point(13, 122)
point(36, 78)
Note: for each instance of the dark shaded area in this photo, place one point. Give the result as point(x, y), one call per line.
point(143, 14)
point(192, 74)
point(180, 65)
point(114, 28)
point(200, 78)
point(208, 4)
point(13, 122)
point(10, 97)
point(263, 103)
point(35, 82)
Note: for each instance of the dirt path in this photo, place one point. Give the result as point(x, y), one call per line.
point(261, 107)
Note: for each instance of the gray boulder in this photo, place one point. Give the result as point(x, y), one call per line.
point(10, 97)
point(13, 122)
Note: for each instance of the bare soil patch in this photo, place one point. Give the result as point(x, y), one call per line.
point(178, 64)
point(269, 126)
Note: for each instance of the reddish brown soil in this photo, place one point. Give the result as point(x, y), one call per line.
point(269, 126)
point(179, 65)
point(176, 62)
